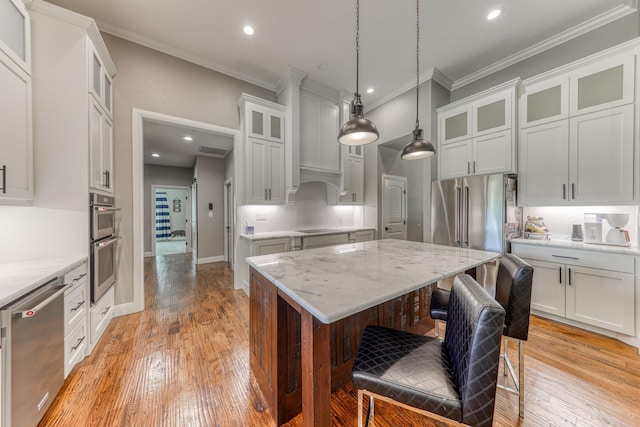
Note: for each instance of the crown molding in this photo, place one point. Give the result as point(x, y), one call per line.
point(618, 12)
point(182, 54)
point(431, 74)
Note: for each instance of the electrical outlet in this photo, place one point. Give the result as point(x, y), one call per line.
point(261, 216)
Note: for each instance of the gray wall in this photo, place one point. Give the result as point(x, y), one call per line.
point(210, 175)
point(160, 175)
point(609, 35)
point(153, 81)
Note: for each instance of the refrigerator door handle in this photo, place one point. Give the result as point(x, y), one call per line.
point(458, 214)
point(466, 215)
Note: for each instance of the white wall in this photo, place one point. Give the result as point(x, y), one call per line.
point(210, 174)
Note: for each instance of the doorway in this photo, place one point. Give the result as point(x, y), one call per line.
point(171, 219)
point(394, 207)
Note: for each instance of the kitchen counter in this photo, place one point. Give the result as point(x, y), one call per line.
point(335, 282)
point(19, 278)
point(299, 233)
point(569, 244)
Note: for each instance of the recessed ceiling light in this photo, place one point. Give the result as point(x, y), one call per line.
point(187, 138)
point(322, 65)
point(248, 30)
point(155, 155)
point(494, 14)
point(371, 90)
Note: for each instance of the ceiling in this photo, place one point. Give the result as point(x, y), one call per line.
point(318, 37)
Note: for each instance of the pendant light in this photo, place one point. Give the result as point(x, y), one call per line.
point(418, 148)
point(357, 130)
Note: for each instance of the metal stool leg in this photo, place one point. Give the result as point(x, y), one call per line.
point(521, 378)
point(505, 357)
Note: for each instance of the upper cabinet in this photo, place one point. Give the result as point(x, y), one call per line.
point(100, 81)
point(264, 143)
point(319, 124)
point(476, 135)
point(16, 144)
point(577, 143)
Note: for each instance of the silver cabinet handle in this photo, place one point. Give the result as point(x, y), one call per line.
point(565, 257)
point(269, 194)
point(265, 194)
point(106, 310)
point(79, 277)
point(573, 191)
point(4, 179)
point(560, 275)
point(469, 167)
point(569, 278)
point(75, 347)
point(80, 304)
point(564, 191)
point(474, 166)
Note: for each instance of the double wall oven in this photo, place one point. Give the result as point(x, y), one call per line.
point(103, 244)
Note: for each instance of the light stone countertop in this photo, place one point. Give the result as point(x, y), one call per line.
point(19, 278)
point(569, 244)
point(297, 233)
point(335, 282)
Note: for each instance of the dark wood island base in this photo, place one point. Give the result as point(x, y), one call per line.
point(296, 359)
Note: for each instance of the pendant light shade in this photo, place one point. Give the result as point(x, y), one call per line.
point(358, 130)
point(418, 148)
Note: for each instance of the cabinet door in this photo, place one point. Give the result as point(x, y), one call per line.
point(16, 142)
point(256, 170)
point(309, 130)
point(15, 33)
point(544, 164)
point(271, 246)
point(275, 125)
point(319, 122)
point(492, 153)
point(544, 102)
point(96, 74)
point(493, 113)
point(547, 291)
point(353, 182)
point(601, 298)
point(454, 125)
point(97, 122)
point(455, 159)
point(328, 146)
point(275, 171)
point(602, 158)
point(256, 121)
point(605, 84)
point(107, 152)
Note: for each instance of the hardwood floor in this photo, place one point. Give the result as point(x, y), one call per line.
point(184, 361)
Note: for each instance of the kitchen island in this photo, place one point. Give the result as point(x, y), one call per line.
point(308, 310)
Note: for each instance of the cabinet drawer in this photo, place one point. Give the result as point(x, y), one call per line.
point(75, 278)
point(75, 345)
point(324, 240)
point(75, 307)
point(271, 246)
point(101, 315)
point(361, 236)
point(587, 258)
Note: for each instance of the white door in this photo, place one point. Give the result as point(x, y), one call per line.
point(394, 207)
point(228, 221)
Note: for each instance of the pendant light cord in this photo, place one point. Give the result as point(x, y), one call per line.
point(357, 45)
point(417, 61)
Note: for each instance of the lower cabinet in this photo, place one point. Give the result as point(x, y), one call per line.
point(100, 317)
point(573, 288)
point(76, 302)
point(271, 246)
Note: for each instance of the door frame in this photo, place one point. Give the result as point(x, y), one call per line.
point(382, 203)
point(138, 116)
point(152, 214)
point(229, 254)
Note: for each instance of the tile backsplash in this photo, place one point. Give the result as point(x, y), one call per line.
point(560, 219)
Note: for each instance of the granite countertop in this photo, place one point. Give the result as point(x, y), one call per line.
point(297, 233)
point(19, 278)
point(335, 282)
point(569, 244)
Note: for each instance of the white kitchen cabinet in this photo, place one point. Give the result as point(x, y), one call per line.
point(584, 160)
point(589, 287)
point(544, 102)
point(319, 124)
point(476, 135)
point(100, 81)
point(15, 33)
point(353, 181)
point(76, 303)
point(100, 148)
point(604, 84)
point(264, 154)
point(265, 171)
point(16, 143)
point(100, 316)
point(362, 236)
point(271, 246)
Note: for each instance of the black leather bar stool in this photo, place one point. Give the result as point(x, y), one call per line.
point(513, 292)
point(455, 378)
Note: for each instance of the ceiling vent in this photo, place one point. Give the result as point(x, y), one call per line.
point(213, 152)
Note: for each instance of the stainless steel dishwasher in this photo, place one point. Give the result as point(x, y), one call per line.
point(33, 354)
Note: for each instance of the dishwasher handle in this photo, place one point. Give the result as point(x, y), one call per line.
point(55, 290)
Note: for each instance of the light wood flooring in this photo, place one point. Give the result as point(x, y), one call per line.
point(184, 361)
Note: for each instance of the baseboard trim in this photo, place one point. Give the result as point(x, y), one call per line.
point(148, 254)
point(124, 309)
point(210, 259)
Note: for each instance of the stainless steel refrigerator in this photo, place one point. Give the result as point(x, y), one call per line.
point(478, 212)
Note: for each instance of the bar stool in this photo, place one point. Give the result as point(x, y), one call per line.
point(513, 292)
point(455, 378)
